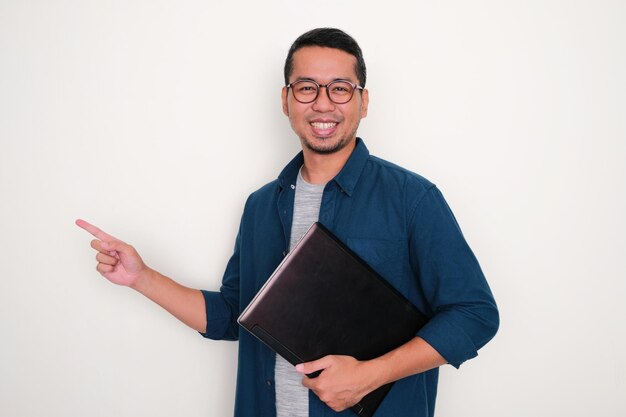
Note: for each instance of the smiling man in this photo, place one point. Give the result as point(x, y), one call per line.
point(396, 220)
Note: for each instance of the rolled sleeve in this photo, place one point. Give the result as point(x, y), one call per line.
point(219, 317)
point(450, 340)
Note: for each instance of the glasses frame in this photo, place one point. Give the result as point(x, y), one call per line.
point(319, 86)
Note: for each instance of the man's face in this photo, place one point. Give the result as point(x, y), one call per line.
point(323, 126)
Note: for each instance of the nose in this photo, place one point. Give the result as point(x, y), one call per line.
point(322, 103)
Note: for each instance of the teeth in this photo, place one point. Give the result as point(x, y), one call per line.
point(325, 125)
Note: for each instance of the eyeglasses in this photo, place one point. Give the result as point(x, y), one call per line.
point(338, 91)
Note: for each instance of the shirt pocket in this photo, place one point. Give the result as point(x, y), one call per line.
point(387, 257)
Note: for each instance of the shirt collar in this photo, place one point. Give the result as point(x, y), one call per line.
point(347, 177)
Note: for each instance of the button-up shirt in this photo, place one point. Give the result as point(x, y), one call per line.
point(400, 224)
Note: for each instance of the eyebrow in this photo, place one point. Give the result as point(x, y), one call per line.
point(334, 79)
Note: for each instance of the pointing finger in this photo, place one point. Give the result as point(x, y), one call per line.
point(94, 230)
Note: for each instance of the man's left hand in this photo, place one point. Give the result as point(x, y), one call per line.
point(343, 382)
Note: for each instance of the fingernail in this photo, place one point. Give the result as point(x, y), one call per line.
point(300, 367)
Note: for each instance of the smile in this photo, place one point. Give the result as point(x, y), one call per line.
point(323, 125)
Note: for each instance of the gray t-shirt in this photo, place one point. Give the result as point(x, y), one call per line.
point(292, 398)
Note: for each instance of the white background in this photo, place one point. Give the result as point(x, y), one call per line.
point(155, 120)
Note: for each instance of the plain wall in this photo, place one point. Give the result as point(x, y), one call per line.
point(156, 119)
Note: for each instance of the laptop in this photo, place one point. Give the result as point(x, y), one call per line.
point(323, 299)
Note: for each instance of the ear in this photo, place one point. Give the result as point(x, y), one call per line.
point(365, 101)
point(283, 96)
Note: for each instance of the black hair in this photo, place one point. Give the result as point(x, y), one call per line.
point(329, 38)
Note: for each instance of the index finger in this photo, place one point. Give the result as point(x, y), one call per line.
point(94, 230)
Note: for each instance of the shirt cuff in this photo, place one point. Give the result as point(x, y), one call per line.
point(448, 339)
point(218, 316)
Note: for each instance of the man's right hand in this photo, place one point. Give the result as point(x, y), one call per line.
point(121, 264)
point(118, 262)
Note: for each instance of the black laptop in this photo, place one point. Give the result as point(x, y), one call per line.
point(323, 299)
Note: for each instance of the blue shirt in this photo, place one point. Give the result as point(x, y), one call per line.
point(400, 224)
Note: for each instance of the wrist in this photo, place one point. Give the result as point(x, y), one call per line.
point(377, 374)
point(143, 281)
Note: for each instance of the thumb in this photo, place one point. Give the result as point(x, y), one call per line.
point(110, 245)
point(113, 245)
point(314, 366)
point(117, 247)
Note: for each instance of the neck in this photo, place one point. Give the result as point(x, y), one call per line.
point(321, 168)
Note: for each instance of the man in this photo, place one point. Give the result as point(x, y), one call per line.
point(396, 220)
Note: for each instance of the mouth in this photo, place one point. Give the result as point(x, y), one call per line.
point(323, 128)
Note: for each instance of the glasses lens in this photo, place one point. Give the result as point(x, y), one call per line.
point(340, 91)
point(304, 91)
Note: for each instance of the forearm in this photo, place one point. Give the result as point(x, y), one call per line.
point(414, 357)
point(186, 304)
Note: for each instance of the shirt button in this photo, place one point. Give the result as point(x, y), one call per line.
point(293, 187)
point(268, 382)
point(284, 253)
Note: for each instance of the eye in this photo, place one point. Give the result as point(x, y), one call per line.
point(341, 88)
point(305, 88)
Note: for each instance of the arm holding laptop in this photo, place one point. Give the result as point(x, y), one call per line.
point(345, 380)
point(120, 263)
point(463, 315)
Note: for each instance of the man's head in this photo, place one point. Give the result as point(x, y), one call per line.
point(328, 38)
point(326, 122)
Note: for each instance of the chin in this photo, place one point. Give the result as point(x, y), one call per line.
point(325, 148)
